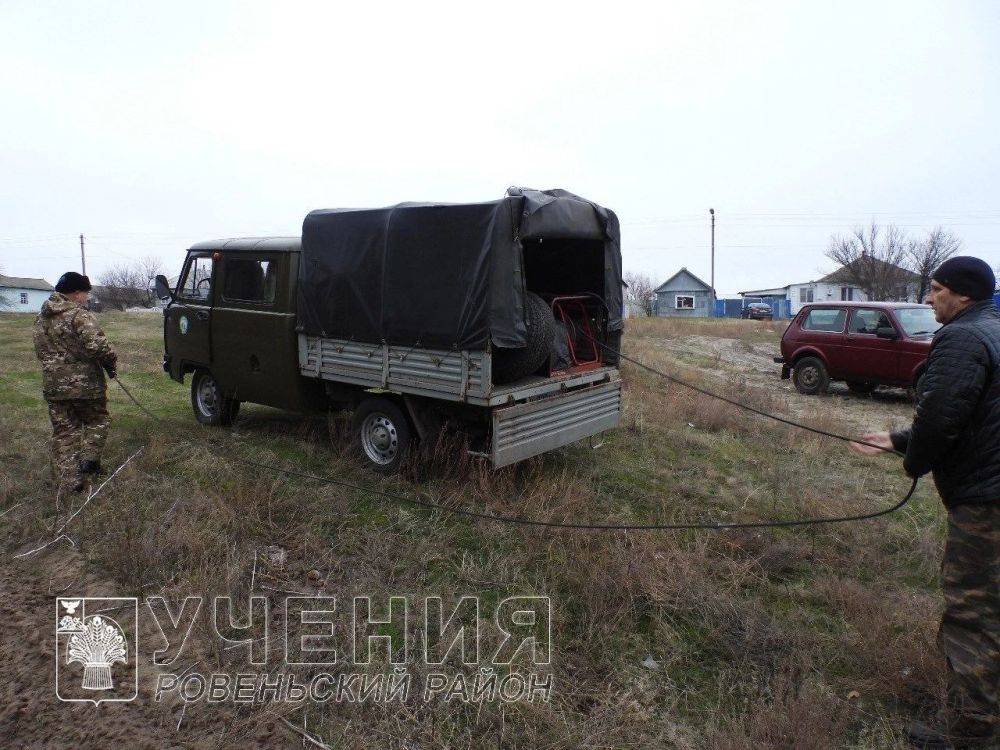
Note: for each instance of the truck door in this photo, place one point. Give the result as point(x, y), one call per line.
point(871, 358)
point(254, 344)
point(187, 322)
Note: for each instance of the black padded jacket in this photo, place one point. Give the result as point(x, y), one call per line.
point(956, 429)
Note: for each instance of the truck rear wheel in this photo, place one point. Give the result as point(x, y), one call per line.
point(383, 434)
point(210, 406)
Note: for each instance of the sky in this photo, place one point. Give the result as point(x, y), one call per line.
point(147, 127)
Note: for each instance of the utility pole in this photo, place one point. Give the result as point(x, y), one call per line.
point(83, 258)
point(711, 212)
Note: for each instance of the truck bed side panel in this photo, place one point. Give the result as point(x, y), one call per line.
point(449, 375)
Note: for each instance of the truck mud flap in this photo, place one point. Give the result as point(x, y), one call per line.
point(524, 430)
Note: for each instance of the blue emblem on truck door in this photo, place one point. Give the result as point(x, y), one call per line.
point(182, 323)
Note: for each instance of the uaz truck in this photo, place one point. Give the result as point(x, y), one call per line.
point(502, 317)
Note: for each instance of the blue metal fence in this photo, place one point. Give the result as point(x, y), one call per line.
point(728, 308)
point(781, 308)
point(733, 308)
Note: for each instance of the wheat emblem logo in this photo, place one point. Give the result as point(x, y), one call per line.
point(97, 642)
point(97, 647)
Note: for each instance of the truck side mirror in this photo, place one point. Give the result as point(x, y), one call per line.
point(162, 288)
point(886, 332)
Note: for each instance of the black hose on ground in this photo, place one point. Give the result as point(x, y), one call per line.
point(517, 521)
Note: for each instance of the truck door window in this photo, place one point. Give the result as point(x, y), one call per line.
point(249, 280)
point(869, 321)
point(197, 282)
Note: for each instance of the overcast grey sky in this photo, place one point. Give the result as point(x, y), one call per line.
point(147, 127)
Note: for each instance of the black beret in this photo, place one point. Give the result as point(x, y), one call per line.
point(71, 281)
point(968, 276)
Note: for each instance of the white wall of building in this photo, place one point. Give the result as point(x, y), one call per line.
point(821, 292)
point(23, 300)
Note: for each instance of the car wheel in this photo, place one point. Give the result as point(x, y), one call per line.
point(810, 376)
point(858, 386)
point(383, 434)
point(210, 406)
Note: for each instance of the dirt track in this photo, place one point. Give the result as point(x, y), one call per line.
point(754, 362)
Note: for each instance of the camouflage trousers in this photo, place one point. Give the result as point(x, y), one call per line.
point(79, 430)
point(969, 635)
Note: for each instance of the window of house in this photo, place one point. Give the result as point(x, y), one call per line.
point(684, 302)
point(805, 294)
point(847, 294)
point(869, 321)
point(24, 298)
point(197, 282)
point(825, 319)
point(249, 280)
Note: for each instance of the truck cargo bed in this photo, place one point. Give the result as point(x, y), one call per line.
point(462, 376)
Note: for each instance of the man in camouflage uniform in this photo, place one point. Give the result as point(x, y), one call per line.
point(75, 354)
point(956, 435)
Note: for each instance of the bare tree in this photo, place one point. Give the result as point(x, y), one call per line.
point(873, 259)
point(639, 293)
point(128, 284)
point(150, 266)
point(926, 255)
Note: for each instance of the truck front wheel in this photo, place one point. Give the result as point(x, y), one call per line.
point(210, 406)
point(383, 434)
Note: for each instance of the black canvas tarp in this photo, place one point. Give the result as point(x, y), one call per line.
point(441, 275)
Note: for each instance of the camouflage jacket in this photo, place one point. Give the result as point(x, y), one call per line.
point(72, 348)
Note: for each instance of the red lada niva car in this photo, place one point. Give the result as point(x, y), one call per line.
point(863, 343)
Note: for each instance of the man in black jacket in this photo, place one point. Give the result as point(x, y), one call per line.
point(956, 435)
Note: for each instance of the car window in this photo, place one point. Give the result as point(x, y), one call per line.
point(249, 280)
point(826, 319)
point(917, 321)
point(869, 321)
point(197, 282)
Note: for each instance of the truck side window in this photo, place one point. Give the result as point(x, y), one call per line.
point(198, 281)
point(249, 280)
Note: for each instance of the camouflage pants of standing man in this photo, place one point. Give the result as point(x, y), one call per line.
point(970, 628)
point(79, 431)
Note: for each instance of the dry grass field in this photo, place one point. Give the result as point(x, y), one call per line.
point(815, 637)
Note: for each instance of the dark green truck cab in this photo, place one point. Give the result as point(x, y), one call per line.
point(261, 320)
point(233, 319)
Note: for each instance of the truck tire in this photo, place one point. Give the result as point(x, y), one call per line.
point(210, 406)
point(513, 364)
point(383, 434)
point(810, 376)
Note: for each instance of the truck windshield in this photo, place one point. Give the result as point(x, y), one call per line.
point(198, 281)
point(917, 320)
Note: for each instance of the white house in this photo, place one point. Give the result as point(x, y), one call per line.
point(834, 287)
point(23, 295)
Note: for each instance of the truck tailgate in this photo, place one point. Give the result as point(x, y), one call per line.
point(527, 429)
